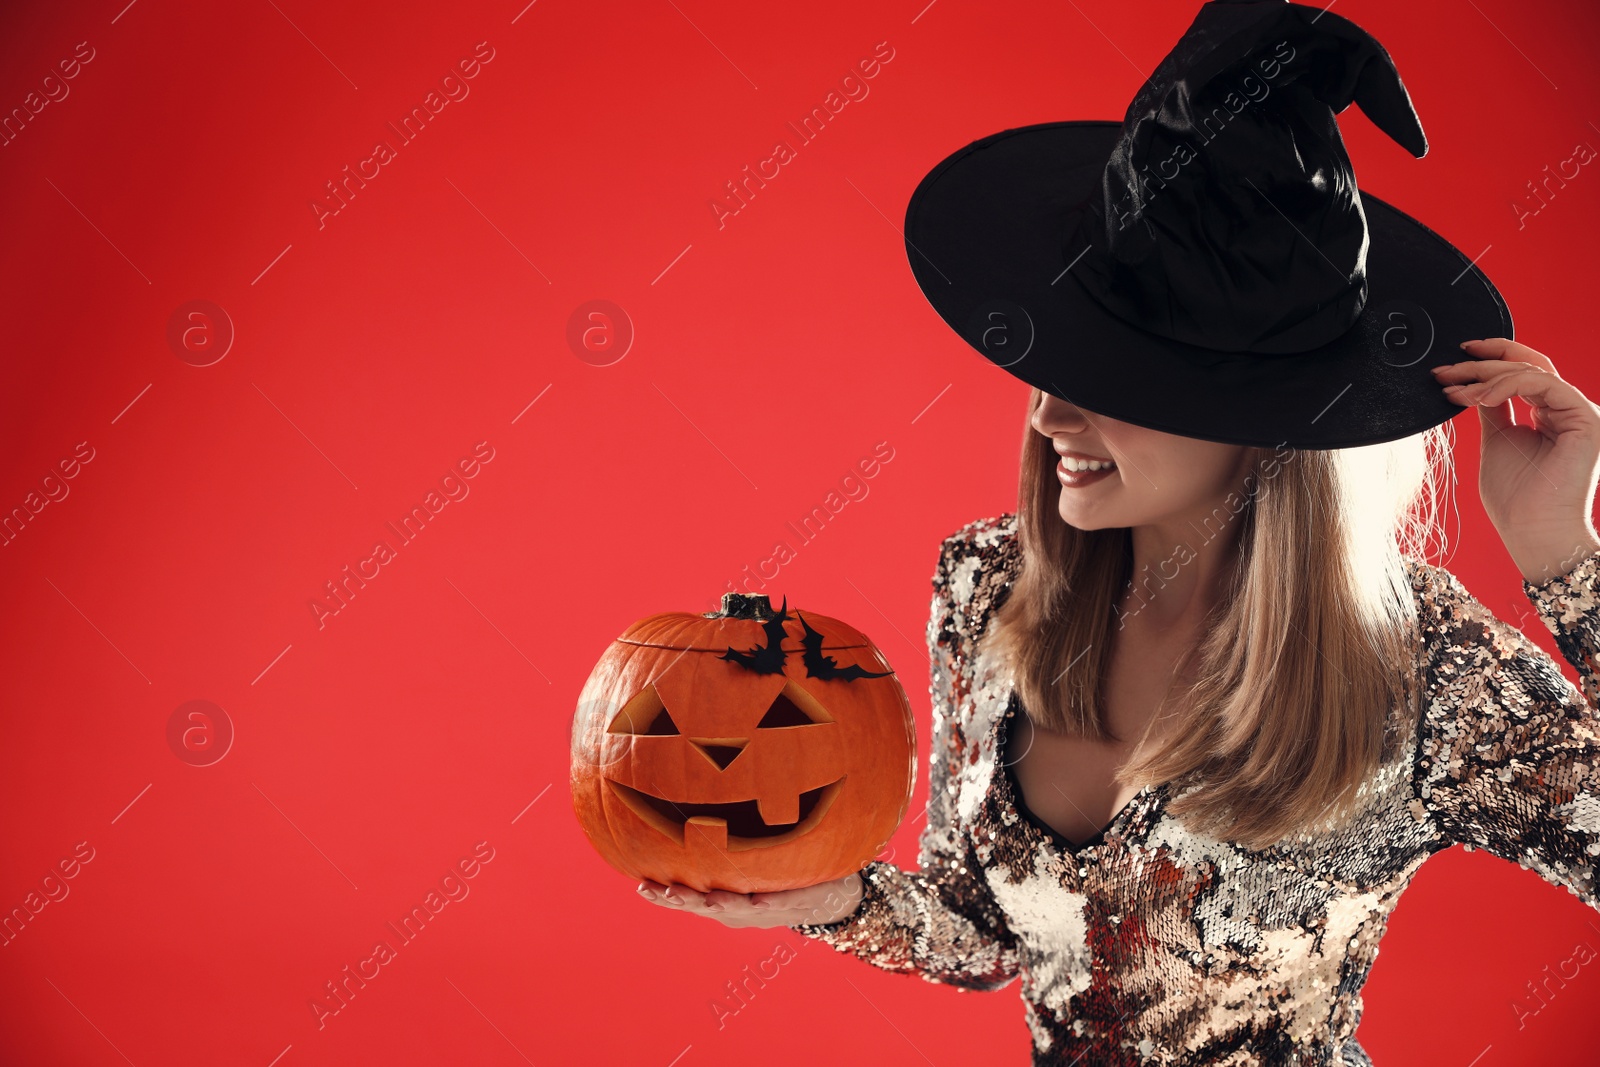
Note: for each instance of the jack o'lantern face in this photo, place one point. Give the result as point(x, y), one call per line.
point(794, 728)
point(726, 764)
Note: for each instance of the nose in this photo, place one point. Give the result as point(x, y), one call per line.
point(1054, 415)
point(720, 750)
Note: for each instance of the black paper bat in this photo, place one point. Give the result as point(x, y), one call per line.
point(823, 667)
point(768, 658)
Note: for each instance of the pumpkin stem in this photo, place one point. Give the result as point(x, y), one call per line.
point(744, 606)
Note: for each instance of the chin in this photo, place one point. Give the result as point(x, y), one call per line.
point(1076, 518)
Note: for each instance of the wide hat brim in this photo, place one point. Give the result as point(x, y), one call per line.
point(986, 236)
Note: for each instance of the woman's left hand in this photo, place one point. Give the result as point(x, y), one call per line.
point(1536, 481)
point(825, 902)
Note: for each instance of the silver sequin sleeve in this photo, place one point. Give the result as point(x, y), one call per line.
point(1508, 755)
point(941, 921)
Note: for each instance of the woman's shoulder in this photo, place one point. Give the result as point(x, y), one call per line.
point(1459, 636)
point(985, 533)
point(1439, 594)
point(1433, 578)
point(1448, 611)
point(976, 566)
point(1465, 639)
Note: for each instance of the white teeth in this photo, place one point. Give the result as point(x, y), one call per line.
point(1085, 465)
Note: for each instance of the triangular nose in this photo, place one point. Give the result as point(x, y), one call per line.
point(720, 750)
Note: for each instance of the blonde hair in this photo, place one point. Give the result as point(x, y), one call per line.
point(1300, 664)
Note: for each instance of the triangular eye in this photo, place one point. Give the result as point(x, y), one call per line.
point(644, 714)
point(784, 712)
point(662, 724)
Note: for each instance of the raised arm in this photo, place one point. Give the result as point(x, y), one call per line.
point(941, 922)
point(1509, 750)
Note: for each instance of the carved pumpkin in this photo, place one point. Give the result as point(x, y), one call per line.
point(744, 749)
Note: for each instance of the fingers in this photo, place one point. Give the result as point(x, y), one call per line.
point(1504, 348)
point(730, 909)
point(672, 896)
point(1485, 370)
point(1490, 358)
point(1493, 389)
point(1557, 404)
point(1508, 370)
point(681, 896)
point(1492, 396)
point(788, 907)
point(1535, 386)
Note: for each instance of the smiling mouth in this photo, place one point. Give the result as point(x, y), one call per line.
point(740, 822)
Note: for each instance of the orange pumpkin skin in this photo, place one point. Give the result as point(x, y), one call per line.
point(776, 777)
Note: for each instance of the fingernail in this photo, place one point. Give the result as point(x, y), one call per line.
point(648, 894)
point(761, 904)
point(1464, 344)
point(713, 907)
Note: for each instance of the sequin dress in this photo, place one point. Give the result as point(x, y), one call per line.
point(1151, 944)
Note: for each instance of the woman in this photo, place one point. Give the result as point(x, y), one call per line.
point(1249, 708)
point(1161, 928)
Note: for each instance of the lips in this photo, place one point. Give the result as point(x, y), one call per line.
point(1079, 479)
point(745, 823)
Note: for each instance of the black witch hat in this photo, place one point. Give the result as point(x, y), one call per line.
point(1208, 267)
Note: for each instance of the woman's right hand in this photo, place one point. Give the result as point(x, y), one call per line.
point(824, 902)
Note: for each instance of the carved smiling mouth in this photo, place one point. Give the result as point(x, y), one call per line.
point(740, 823)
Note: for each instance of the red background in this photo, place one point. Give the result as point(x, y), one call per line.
point(372, 353)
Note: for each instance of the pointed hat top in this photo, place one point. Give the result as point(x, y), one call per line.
point(1228, 214)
